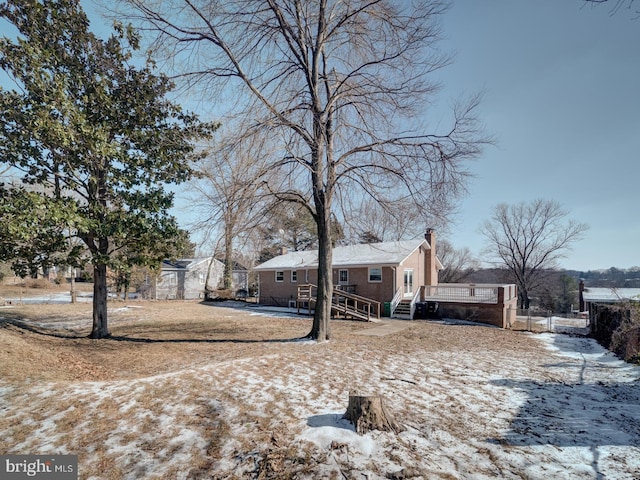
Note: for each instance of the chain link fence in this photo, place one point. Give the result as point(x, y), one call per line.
point(539, 321)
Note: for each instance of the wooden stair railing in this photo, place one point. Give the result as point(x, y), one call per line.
point(355, 305)
point(347, 304)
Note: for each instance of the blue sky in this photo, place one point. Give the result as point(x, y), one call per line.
point(562, 99)
point(560, 82)
point(561, 85)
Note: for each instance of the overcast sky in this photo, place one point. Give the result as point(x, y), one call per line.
point(561, 84)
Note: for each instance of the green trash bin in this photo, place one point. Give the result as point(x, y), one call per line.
point(387, 309)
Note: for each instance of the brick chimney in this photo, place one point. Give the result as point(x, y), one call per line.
point(432, 263)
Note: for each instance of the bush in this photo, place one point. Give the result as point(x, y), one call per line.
point(625, 340)
point(618, 329)
point(85, 277)
point(42, 283)
point(5, 271)
point(219, 295)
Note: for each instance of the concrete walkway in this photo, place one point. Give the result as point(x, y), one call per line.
point(386, 327)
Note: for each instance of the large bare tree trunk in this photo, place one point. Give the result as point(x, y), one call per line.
point(524, 298)
point(320, 329)
point(100, 329)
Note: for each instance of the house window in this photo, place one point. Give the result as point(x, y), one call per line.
point(169, 278)
point(279, 276)
point(343, 277)
point(202, 278)
point(375, 274)
point(294, 276)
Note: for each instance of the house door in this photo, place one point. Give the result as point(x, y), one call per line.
point(408, 283)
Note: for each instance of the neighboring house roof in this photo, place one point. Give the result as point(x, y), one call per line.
point(378, 254)
point(609, 295)
point(237, 267)
point(183, 263)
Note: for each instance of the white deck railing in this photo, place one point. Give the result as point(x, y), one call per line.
point(468, 292)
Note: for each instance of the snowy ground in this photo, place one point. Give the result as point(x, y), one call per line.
point(49, 297)
point(476, 402)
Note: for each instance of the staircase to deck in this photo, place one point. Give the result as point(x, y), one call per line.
point(402, 306)
point(343, 304)
point(403, 310)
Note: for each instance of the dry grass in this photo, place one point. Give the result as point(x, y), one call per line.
point(148, 338)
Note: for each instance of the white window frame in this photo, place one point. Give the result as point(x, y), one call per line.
point(294, 276)
point(407, 287)
point(371, 269)
point(202, 278)
point(279, 276)
point(346, 280)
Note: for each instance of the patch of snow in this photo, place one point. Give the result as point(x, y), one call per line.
point(328, 428)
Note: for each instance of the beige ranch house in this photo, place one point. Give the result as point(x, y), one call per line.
point(397, 279)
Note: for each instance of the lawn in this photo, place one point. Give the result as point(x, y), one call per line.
point(190, 390)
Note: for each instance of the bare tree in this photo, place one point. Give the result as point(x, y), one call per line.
point(371, 220)
point(458, 263)
point(530, 238)
point(616, 5)
point(343, 87)
point(225, 195)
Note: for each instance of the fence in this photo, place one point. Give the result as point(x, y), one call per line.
point(541, 321)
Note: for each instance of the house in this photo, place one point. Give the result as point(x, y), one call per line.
point(606, 308)
point(188, 278)
point(376, 271)
point(396, 279)
point(591, 297)
point(191, 278)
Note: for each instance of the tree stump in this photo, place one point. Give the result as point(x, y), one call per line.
point(367, 412)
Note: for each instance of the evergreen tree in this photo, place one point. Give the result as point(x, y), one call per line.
point(92, 131)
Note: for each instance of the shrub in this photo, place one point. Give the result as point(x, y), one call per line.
point(42, 283)
point(219, 295)
point(5, 271)
point(85, 277)
point(618, 329)
point(625, 339)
